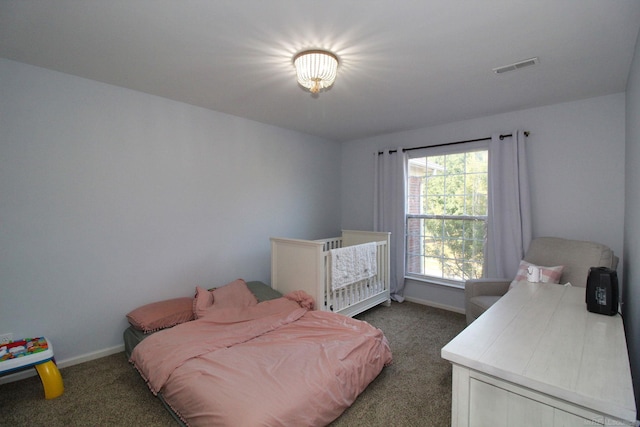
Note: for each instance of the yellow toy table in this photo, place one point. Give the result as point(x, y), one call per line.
point(33, 352)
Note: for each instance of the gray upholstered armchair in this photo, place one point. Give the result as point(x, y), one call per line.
point(576, 256)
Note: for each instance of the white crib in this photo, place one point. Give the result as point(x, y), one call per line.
point(304, 265)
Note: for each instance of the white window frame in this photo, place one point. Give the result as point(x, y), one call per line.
point(437, 151)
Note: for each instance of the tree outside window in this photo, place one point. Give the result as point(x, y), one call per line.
point(446, 219)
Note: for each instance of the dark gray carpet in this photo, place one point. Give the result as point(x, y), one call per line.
point(414, 391)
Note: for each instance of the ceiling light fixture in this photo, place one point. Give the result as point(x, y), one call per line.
point(316, 69)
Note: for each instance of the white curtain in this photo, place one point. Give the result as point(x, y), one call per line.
point(509, 228)
point(389, 204)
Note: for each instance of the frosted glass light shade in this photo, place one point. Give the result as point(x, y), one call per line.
point(316, 69)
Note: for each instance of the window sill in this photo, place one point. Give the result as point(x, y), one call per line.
point(435, 281)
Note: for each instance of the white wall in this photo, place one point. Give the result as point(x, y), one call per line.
point(576, 165)
point(631, 265)
point(111, 198)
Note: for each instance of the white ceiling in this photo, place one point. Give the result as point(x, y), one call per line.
point(404, 64)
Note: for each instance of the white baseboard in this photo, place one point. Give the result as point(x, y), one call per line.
point(21, 375)
point(435, 304)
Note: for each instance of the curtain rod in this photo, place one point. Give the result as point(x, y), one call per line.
point(453, 143)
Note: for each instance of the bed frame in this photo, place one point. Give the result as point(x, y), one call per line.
point(304, 265)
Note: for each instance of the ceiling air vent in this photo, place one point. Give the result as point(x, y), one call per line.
point(515, 66)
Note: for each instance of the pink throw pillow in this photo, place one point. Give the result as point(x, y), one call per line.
point(547, 274)
point(162, 314)
point(201, 302)
point(234, 294)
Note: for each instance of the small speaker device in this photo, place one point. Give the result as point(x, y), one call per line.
point(602, 291)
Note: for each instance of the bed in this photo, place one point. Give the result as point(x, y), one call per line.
point(249, 361)
point(313, 260)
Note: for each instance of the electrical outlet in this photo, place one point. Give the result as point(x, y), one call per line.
point(5, 338)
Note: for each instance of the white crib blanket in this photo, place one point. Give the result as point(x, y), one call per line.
point(352, 264)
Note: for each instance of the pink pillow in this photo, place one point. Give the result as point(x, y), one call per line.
point(162, 314)
point(547, 274)
point(201, 302)
point(234, 294)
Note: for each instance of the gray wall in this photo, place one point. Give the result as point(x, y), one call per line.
point(112, 198)
point(576, 164)
point(631, 265)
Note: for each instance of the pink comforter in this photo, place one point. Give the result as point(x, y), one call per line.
point(273, 364)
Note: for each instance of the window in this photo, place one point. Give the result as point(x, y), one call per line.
point(446, 215)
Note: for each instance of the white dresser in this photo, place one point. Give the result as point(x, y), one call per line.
point(539, 358)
